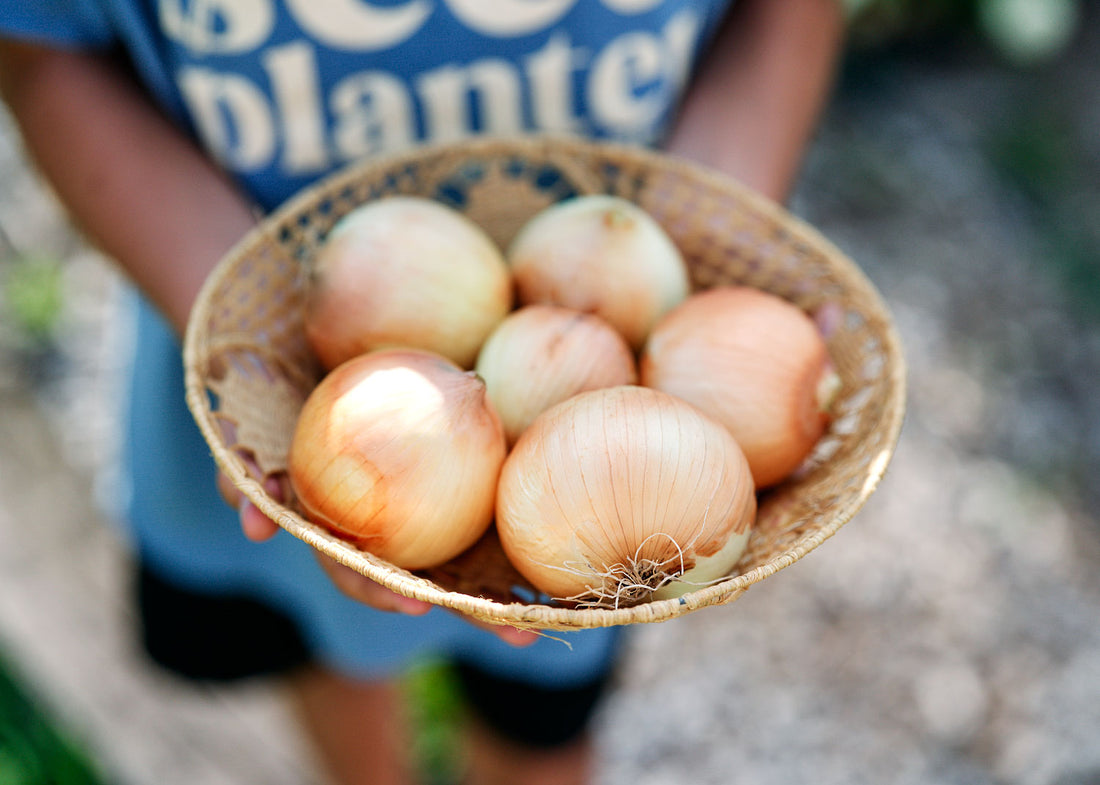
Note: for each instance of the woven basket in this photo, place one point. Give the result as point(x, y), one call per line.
point(248, 368)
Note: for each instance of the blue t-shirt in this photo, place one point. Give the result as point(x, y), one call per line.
point(283, 92)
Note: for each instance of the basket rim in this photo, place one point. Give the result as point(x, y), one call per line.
point(537, 616)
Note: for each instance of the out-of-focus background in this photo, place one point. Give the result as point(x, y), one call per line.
point(949, 634)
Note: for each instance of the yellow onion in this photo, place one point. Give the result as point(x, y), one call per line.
point(542, 354)
point(405, 271)
point(624, 494)
point(757, 364)
point(603, 255)
point(399, 451)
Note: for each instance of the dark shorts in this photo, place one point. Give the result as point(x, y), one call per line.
point(222, 638)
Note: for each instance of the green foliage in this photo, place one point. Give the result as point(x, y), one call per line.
point(1037, 154)
point(1023, 32)
point(881, 20)
point(32, 750)
point(435, 701)
point(33, 296)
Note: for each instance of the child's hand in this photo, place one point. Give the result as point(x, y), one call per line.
point(361, 588)
point(258, 528)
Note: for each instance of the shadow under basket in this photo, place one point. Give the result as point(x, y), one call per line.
point(249, 369)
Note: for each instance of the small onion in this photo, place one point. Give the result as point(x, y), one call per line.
point(542, 354)
point(757, 364)
point(399, 451)
point(600, 254)
point(624, 494)
point(405, 271)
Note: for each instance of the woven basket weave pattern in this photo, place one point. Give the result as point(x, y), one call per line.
point(249, 368)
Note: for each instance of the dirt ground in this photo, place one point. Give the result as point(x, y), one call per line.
point(949, 634)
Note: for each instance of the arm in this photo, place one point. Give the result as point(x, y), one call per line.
point(153, 202)
point(756, 99)
point(136, 186)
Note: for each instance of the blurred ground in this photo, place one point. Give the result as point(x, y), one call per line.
point(949, 634)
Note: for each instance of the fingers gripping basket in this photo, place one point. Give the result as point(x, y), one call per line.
point(248, 368)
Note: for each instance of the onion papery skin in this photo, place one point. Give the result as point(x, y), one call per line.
point(541, 355)
point(405, 271)
point(610, 495)
point(399, 451)
point(600, 254)
point(755, 363)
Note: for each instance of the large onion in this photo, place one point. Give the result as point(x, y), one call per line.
point(405, 271)
point(600, 254)
point(624, 494)
point(399, 451)
point(756, 363)
point(542, 354)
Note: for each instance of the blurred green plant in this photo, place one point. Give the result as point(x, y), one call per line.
point(1029, 32)
point(1037, 154)
point(32, 750)
point(33, 296)
point(1024, 32)
point(31, 299)
point(437, 714)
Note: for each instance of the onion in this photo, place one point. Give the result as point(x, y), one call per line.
point(399, 451)
point(624, 494)
point(405, 271)
point(600, 254)
point(754, 362)
point(542, 354)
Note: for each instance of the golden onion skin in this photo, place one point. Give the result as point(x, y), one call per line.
point(405, 271)
point(541, 355)
point(399, 451)
point(610, 495)
point(755, 363)
point(600, 254)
